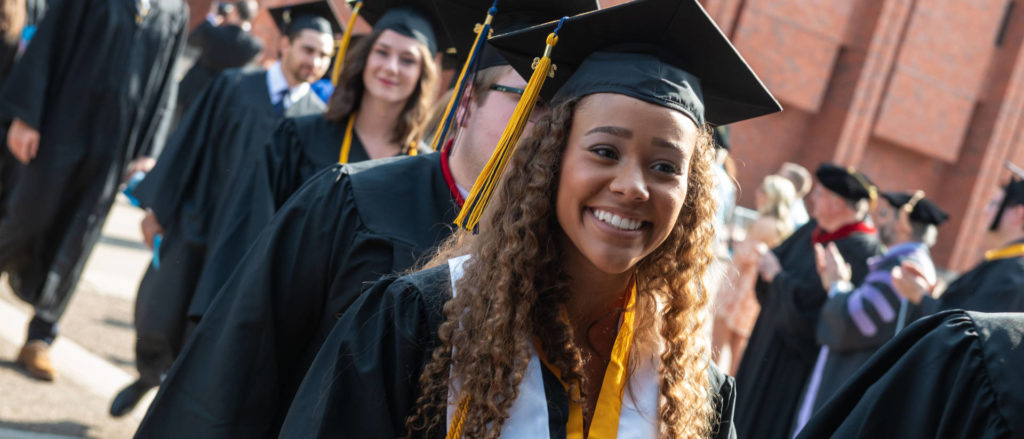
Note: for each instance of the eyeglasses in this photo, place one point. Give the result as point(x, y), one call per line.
point(507, 89)
point(542, 105)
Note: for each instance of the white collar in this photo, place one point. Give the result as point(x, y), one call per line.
point(276, 83)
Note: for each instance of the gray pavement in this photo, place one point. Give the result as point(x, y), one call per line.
point(95, 351)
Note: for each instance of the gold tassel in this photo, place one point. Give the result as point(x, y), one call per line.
point(339, 57)
point(458, 419)
point(872, 189)
point(485, 184)
point(460, 84)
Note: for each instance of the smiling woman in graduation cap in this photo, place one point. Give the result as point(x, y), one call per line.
point(379, 109)
point(580, 310)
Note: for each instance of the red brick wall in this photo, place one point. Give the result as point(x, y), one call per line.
point(916, 93)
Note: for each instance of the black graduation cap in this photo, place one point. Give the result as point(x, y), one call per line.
point(666, 52)
point(316, 15)
point(493, 16)
point(846, 182)
point(416, 19)
point(1013, 195)
point(519, 14)
point(924, 211)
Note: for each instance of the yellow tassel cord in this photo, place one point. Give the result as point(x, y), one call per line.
point(413, 149)
point(872, 190)
point(478, 197)
point(346, 145)
point(339, 57)
point(482, 33)
point(459, 419)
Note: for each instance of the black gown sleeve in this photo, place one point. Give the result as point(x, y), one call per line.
point(364, 382)
point(935, 379)
point(865, 317)
point(724, 390)
point(243, 215)
point(53, 48)
point(281, 162)
point(161, 122)
point(228, 380)
point(169, 185)
point(801, 295)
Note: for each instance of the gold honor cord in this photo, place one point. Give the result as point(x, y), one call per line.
point(605, 423)
point(1011, 251)
point(339, 57)
point(485, 183)
point(346, 145)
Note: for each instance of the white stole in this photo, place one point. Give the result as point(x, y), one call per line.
point(528, 417)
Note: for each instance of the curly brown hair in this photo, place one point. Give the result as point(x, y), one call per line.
point(515, 288)
point(349, 92)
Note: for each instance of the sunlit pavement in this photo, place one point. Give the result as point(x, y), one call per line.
point(94, 354)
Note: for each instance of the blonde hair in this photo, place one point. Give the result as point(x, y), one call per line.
point(779, 196)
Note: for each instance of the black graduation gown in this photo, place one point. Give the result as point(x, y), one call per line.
point(365, 381)
point(782, 346)
point(185, 189)
point(97, 85)
point(34, 12)
point(991, 286)
point(346, 227)
point(301, 147)
point(221, 48)
point(951, 375)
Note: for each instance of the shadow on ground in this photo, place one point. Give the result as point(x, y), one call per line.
point(64, 428)
point(12, 365)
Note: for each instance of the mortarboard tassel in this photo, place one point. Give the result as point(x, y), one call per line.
point(872, 189)
point(339, 57)
point(482, 33)
point(478, 197)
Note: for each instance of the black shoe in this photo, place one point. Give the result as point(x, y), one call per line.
point(128, 398)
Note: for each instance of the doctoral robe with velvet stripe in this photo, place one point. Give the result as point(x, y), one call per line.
point(856, 323)
point(365, 381)
point(344, 229)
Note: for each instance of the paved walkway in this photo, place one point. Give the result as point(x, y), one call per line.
point(94, 354)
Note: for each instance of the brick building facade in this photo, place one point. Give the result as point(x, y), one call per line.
point(918, 94)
